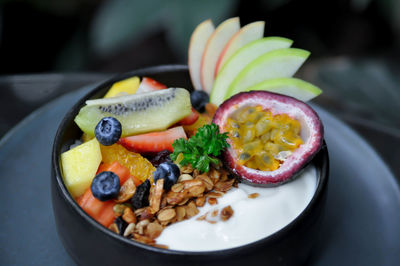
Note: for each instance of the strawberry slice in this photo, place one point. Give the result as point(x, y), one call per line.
point(149, 84)
point(153, 142)
point(190, 119)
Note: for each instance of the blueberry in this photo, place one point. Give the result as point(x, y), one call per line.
point(169, 172)
point(105, 186)
point(108, 131)
point(141, 197)
point(199, 99)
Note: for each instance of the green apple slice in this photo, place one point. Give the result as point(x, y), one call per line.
point(250, 32)
point(279, 63)
point(238, 61)
point(293, 87)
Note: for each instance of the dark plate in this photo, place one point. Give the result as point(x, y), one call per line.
point(361, 226)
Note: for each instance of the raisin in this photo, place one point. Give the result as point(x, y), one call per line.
point(141, 197)
point(121, 225)
point(160, 157)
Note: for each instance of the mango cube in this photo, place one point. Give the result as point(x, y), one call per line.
point(80, 165)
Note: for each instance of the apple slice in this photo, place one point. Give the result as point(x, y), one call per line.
point(279, 63)
point(198, 42)
point(246, 34)
point(293, 87)
point(238, 61)
point(215, 44)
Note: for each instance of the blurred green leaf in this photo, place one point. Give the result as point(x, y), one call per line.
point(74, 55)
point(360, 5)
point(182, 17)
point(367, 88)
point(273, 4)
point(391, 11)
point(120, 23)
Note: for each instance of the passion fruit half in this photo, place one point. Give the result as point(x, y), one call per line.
point(272, 137)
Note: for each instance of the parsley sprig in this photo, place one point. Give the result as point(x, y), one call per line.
point(201, 149)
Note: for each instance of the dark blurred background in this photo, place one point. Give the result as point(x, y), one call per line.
point(354, 44)
point(119, 35)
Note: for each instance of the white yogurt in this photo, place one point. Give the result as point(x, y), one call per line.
point(253, 219)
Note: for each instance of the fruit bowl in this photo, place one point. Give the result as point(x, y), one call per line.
point(89, 243)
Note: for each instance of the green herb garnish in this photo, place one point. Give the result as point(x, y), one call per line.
point(201, 149)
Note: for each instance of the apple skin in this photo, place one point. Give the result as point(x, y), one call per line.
point(215, 44)
point(278, 63)
point(250, 32)
point(238, 61)
point(197, 44)
point(292, 87)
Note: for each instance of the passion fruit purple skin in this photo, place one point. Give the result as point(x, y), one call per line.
point(311, 133)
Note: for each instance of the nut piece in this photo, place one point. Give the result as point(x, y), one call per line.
point(203, 217)
point(200, 201)
point(164, 202)
point(113, 227)
point(141, 226)
point(130, 229)
point(126, 192)
point(195, 173)
point(224, 175)
point(191, 210)
point(253, 195)
point(174, 198)
point(180, 213)
point(214, 194)
point(166, 215)
point(144, 239)
point(185, 200)
point(187, 169)
point(215, 175)
point(224, 186)
point(212, 201)
point(207, 181)
point(191, 183)
point(160, 246)
point(153, 230)
point(144, 213)
point(185, 177)
point(129, 216)
point(156, 195)
point(196, 191)
point(226, 213)
point(178, 187)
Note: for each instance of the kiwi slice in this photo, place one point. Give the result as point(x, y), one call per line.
point(138, 113)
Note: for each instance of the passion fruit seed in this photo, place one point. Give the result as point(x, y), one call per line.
point(262, 140)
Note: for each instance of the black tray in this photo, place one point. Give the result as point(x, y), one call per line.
point(361, 226)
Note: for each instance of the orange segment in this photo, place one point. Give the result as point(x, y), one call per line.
point(138, 166)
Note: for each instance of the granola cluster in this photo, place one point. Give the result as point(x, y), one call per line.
point(181, 202)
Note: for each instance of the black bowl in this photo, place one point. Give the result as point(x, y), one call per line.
point(89, 243)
